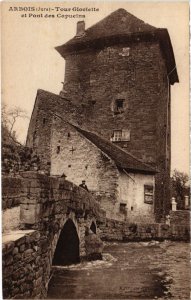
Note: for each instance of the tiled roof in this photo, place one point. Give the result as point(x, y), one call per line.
point(122, 159)
point(122, 27)
point(118, 22)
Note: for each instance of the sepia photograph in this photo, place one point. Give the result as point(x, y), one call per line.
point(95, 150)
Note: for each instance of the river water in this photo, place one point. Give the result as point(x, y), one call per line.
point(145, 270)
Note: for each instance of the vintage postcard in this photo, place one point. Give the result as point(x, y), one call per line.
point(95, 150)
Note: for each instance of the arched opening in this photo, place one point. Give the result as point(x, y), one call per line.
point(67, 249)
point(93, 227)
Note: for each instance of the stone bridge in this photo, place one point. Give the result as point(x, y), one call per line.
point(53, 222)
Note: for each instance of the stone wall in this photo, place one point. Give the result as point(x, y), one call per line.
point(46, 204)
point(51, 201)
point(23, 265)
point(123, 231)
point(50, 196)
point(27, 261)
point(11, 191)
point(17, 158)
point(131, 193)
point(42, 120)
point(11, 197)
point(79, 159)
point(11, 219)
point(180, 217)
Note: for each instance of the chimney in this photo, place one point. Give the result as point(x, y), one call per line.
point(80, 28)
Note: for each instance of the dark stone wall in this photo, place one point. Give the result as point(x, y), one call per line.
point(11, 192)
point(181, 217)
point(135, 232)
point(96, 79)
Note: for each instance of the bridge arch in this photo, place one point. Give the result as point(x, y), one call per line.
point(68, 245)
point(93, 227)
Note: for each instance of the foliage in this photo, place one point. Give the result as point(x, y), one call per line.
point(9, 117)
point(16, 158)
point(179, 187)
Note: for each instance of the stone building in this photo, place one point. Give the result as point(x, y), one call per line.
point(123, 184)
point(117, 84)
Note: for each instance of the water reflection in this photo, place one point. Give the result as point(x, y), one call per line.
point(127, 271)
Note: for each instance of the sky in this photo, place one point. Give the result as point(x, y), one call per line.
point(30, 62)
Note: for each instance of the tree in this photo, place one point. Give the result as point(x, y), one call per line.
point(9, 118)
point(179, 187)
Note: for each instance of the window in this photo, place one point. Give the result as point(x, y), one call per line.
point(44, 121)
point(148, 194)
point(121, 135)
point(117, 135)
point(126, 135)
point(125, 51)
point(122, 208)
point(58, 150)
point(119, 105)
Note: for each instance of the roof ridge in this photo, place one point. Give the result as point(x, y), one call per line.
point(116, 12)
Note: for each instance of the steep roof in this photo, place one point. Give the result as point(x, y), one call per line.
point(122, 159)
point(118, 22)
point(122, 27)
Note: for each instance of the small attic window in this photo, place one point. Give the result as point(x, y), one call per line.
point(117, 135)
point(119, 105)
point(121, 135)
point(123, 208)
point(125, 51)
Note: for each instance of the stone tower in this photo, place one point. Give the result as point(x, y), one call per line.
point(120, 71)
point(117, 82)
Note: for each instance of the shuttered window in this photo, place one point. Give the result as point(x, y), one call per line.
point(148, 194)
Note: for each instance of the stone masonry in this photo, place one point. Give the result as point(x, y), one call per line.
point(141, 80)
point(119, 59)
point(46, 204)
point(123, 231)
point(180, 217)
